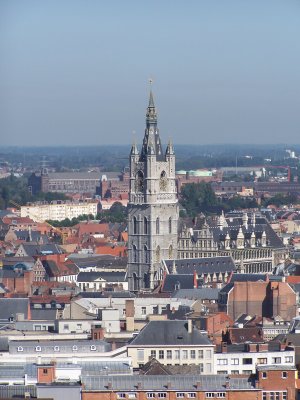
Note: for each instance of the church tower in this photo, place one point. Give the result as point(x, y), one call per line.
point(152, 208)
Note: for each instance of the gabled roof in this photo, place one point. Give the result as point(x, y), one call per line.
point(113, 276)
point(36, 249)
point(199, 293)
point(173, 333)
point(9, 307)
point(173, 282)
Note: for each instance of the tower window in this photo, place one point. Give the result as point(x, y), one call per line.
point(146, 254)
point(170, 225)
point(135, 225)
point(134, 253)
point(157, 226)
point(145, 226)
point(139, 181)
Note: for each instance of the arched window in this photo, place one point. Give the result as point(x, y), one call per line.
point(170, 225)
point(157, 254)
point(135, 281)
point(146, 254)
point(135, 226)
point(157, 226)
point(134, 253)
point(170, 252)
point(145, 226)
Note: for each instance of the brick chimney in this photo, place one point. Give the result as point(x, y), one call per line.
point(224, 347)
point(46, 373)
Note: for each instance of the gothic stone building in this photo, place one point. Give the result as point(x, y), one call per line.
point(251, 242)
point(153, 207)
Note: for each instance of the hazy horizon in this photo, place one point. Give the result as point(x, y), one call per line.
point(75, 73)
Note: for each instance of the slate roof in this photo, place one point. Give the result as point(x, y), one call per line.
point(173, 282)
point(235, 223)
point(195, 294)
point(122, 294)
point(34, 249)
point(104, 261)
point(34, 235)
point(11, 306)
point(38, 314)
point(248, 278)
point(107, 276)
point(202, 265)
point(158, 382)
point(174, 333)
point(243, 347)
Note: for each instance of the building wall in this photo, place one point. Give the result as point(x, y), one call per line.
point(178, 355)
point(58, 212)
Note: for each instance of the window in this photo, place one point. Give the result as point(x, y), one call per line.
point(247, 371)
point(93, 347)
point(74, 348)
point(20, 348)
point(284, 374)
point(209, 395)
point(131, 395)
point(235, 372)
point(208, 368)
point(150, 395)
point(134, 253)
point(289, 359)
point(264, 375)
point(45, 371)
point(177, 354)
point(135, 226)
point(145, 226)
point(38, 348)
point(121, 395)
point(201, 368)
point(193, 354)
point(221, 395)
point(191, 395)
point(143, 310)
point(157, 226)
point(208, 354)
point(153, 353)
point(222, 361)
point(184, 354)
point(140, 354)
point(264, 396)
point(247, 361)
point(170, 225)
point(284, 395)
point(262, 361)
point(124, 312)
point(276, 360)
point(161, 354)
point(169, 354)
point(161, 395)
point(200, 353)
point(56, 348)
point(180, 395)
point(66, 327)
point(234, 361)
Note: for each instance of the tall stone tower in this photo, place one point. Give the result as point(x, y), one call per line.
point(153, 207)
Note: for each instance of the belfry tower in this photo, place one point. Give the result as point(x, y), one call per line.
point(152, 208)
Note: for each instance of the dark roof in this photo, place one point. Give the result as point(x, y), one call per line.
point(169, 333)
point(46, 314)
point(244, 347)
point(35, 249)
point(105, 261)
point(9, 307)
point(112, 276)
point(176, 281)
point(195, 294)
point(202, 265)
point(93, 295)
point(157, 382)
point(248, 278)
point(33, 236)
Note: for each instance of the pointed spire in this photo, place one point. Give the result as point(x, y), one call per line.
point(170, 148)
point(151, 100)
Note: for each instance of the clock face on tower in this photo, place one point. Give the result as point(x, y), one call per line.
point(163, 181)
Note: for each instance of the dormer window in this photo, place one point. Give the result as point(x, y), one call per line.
point(93, 347)
point(20, 348)
point(38, 348)
point(56, 348)
point(74, 348)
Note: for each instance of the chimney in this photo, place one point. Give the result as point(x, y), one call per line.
point(224, 347)
point(109, 385)
point(198, 385)
point(227, 384)
point(139, 386)
point(195, 280)
point(190, 326)
point(169, 385)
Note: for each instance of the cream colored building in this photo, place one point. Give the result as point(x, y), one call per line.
point(172, 343)
point(58, 210)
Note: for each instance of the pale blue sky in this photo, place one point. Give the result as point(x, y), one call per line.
point(75, 72)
